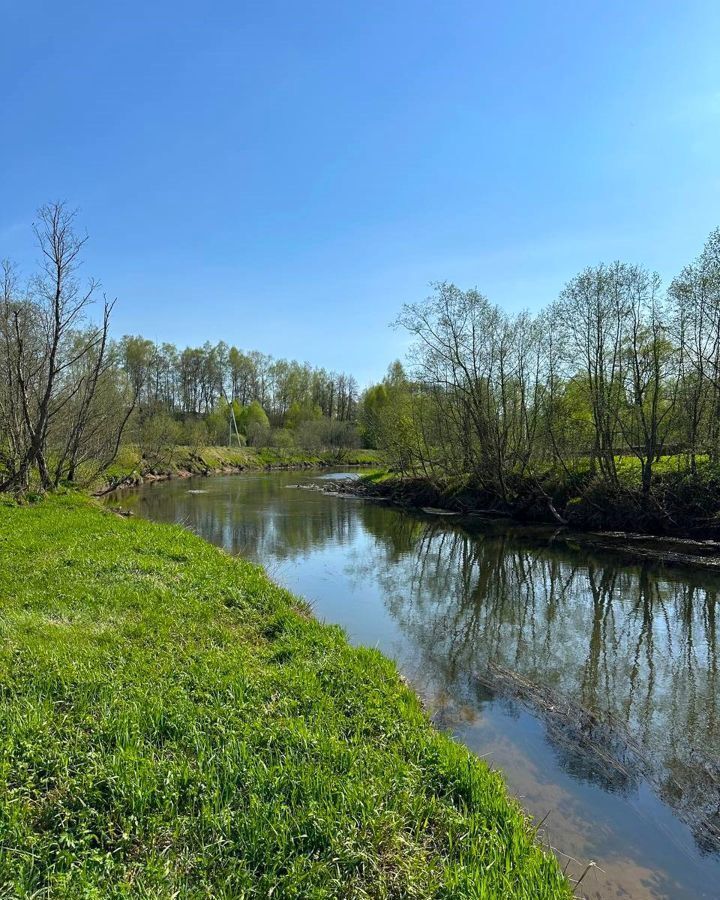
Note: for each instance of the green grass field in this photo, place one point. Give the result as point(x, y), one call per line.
point(174, 725)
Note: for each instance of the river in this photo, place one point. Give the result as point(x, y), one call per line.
point(590, 681)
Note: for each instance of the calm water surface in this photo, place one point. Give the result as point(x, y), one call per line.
point(592, 683)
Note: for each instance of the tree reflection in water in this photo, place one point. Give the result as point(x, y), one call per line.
point(620, 661)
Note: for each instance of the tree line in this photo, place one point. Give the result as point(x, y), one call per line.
point(194, 380)
point(617, 366)
point(70, 395)
point(230, 394)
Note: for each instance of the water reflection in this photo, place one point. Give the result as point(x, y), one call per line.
point(620, 662)
point(592, 682)
point(259, 523)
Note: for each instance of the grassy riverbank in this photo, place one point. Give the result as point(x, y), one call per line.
point(133, 466)
point(174, 724)
point(680, 503)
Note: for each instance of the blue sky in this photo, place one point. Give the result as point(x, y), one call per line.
point(284, 176)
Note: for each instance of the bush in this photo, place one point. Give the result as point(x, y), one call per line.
point(159, 436)
point(252, 420)
point(282, 438)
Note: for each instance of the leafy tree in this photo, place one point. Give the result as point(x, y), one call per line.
point(251, 418)
point(301, 412)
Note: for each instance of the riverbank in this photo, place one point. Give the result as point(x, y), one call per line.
point(134, 467)
point(423, 498)
point(174, 724)
point(681, 504)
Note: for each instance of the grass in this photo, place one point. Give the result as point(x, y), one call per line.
point(377, 476)
point(131, 462)
point(173, 724)
point(629, 469)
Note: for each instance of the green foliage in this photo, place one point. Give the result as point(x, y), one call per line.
point(175, 725)
point(253, 423)
point(137, 354)
point(250, 417)
point(377, 476)
point(302, 412)
point(281, 438)
point(374, 405)
point(220, 424)
point(389, 419)
point(160, 435)
point(131, 465)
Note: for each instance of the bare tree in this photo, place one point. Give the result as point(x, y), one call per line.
point(592, 312)
point(51, 360)
point(482, 370)
point(649, 372)
point(695, 295)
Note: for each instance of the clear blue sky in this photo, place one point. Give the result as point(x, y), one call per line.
point(284, 175)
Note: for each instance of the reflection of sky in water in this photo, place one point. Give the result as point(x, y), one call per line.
point(594, 641)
